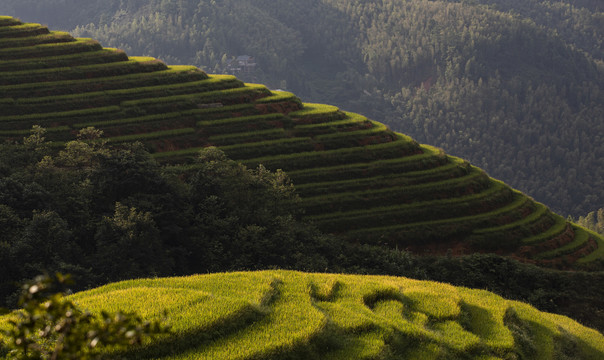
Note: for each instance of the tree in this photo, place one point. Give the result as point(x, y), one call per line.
point(52, 327)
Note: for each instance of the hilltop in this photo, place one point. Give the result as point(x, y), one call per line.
point(294, 315)
point(356, 177)
point(515, 87)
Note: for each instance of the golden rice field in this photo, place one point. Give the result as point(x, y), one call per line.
point(295, 315)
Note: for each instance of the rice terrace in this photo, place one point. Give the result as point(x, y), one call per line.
point(357, 179)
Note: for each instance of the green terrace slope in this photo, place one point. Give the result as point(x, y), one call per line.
point(293, 315)
point(356, 177)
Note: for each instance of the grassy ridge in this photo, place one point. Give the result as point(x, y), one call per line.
point(293, 315)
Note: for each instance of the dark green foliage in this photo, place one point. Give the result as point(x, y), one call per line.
point(107, 214)
point(51, 327)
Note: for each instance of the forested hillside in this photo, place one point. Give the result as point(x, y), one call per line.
point(516, 87)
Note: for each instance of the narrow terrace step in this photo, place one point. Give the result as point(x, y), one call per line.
point(405, 234)
point(403, 146)
point(22, 30)
point(352, 122)
point(217, 98)
point(74, 47)
point(115, 97)
point(448, 171)
point(174, 74)
point(497, 196)
point(427, 160)
point(537, 223)
point(597, 246)
point(61, 118)
point(103, 56)
point(50, 38)
point(9, 21)
point(316, 113)
point(471, 183)
point(132, 66)
point(578, 239)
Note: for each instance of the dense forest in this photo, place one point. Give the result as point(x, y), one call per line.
point(516, 87)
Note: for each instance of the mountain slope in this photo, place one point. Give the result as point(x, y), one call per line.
point(513, 86)
point(357, 178)
point(293, 315)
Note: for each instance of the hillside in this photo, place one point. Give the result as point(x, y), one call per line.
point(515, 87)
point(294, 315)
point(357, 178)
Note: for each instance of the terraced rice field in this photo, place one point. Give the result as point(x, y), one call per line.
point(356, 177)
point(293, 315)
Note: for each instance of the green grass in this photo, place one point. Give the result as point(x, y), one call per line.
point(22, 30)
point(351, 122)
point(474, 182)
point(53, 37)
point(246, 137)
point(449, 171)
point(580, 239)
point(316, 113)
point(164, 134)
point(174, 74)
point(105, 55)
point(556, 229)
point(374, 215)
point(402, 147)
point(292, 315)
point(131, 66)
point(598, 254)
point(279, 96)
point(54, 49)
point(241, 124)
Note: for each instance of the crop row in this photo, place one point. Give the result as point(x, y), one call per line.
point(53, 37)
point(124, 119)
point(580, 238)
point(316, 113)
point(378, 133)
point(62, 117)
point(446, 189)
point(78, 46)
point(25, 132)
point(247, 137)
point(22, 30)
point(597, 254)
point(556, 229)
point(9, 21)
point(175, 74)
point(279, 96)
point(131, 66)
point(242, 123)
point(191, 101)
point(448, 228)
point(103, 56)
point(496, 196)
point(448, 171)
point(517, 232)
point(349, 124)
point(114, 97)
point(151, 135)
point(427, 158)
point(405, 146)
point(243, 151)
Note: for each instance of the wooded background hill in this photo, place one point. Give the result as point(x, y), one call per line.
point(516, 87)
